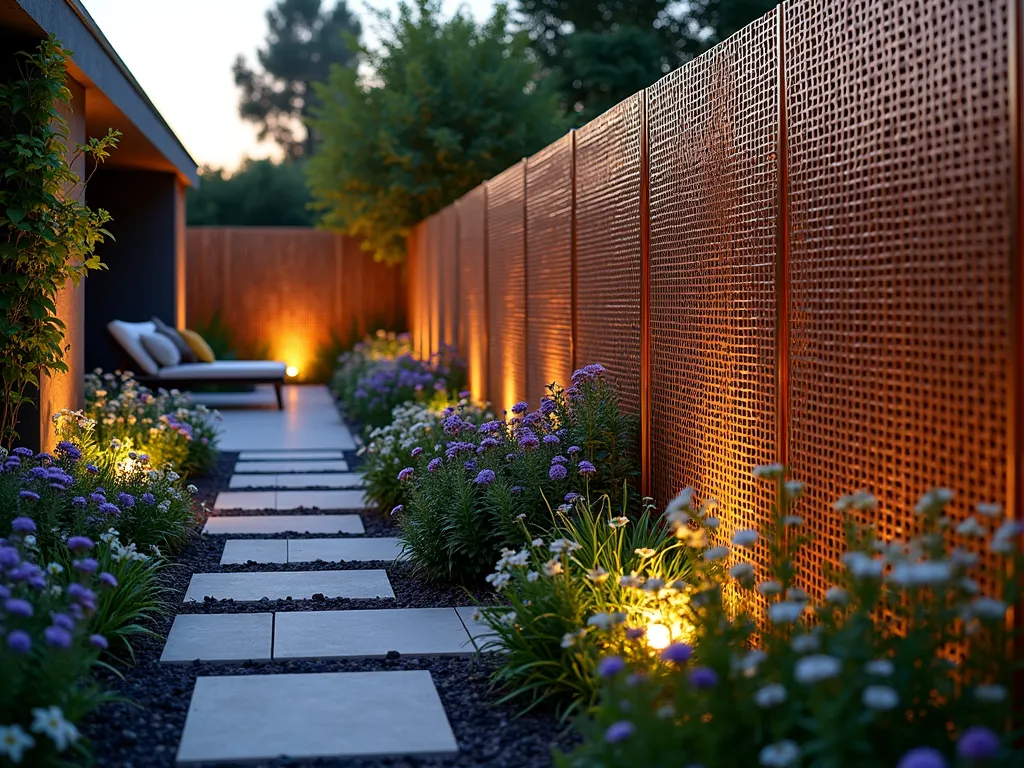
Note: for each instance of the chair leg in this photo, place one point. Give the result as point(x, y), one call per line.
point(277, 391)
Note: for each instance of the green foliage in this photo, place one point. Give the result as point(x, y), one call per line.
point(449, 105)
point(47, 235)
point(470, 489)
point(261, 193)
point(303, 42)
point(559, 590)
point(165, 426)
point(902, 662)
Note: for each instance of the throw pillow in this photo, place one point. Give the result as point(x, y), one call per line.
point(198, 344)
point(187, 355)
point(161, 348)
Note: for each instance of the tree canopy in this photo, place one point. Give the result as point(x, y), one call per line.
point(303, 42)
point(449, 104)
point(260, 193)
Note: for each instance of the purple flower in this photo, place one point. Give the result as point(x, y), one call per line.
point(532, 418)
point(98, 497)
point(18, 607)
point(83, 595)
point(109, 509)
point(126, 500)
point(434, 465)
point(619, 731)
point(107, 579)
point(573, 449)
point(529, 440)
point(520, 407)
point(572, 393)
point(69, 450)
point(91, 469)
point(559, 459)
point(516, 490)
point(43, 456)
point(635, 633)
point(680, 653)
point(610, 666)
point(547, 406)
point(397, 510)
point(571, 497)
point(489, 426)
point(57, 637)
point(485, 477)
point(558, 472)
point(452, 425)
point(978, 743)
point(551, 440)
point(88, 565)
point(464, 394)
point(26, 452)
point(469, 466)
point(62, 620)
point(416, 451)
point(22, 524)
point(587, 469)
point(148, 498)
point(79, 501)
point(703, 677)
point(30, 495)
point(41, 473)
point(922, 757)
point(405, 475)
point(98, 641)
point(19, 641)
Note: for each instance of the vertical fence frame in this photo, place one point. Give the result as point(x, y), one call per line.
point(646, 480)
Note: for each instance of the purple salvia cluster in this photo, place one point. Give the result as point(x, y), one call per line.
point(406, 474)
point(588, 372)
point(547, 406)
point(485, 477)
point(587, 469)
point(457, 447)
point(126, 500)
point(434, 465)
point(489, 426)
point(520, 408)
point(558, 472)
point(69, 449)
point(551, 440)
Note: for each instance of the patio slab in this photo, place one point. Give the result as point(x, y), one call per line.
point(369, 634)
point(309, 422)
point(249, 524)
point(281, 467)
point(321, 500)
point(322, 455)
point(240, 551)
point(297, 481)
point(337, 550)
point(479, 630)
point(232, 637)
point(246, 500)
point(280, 585)
point(339, 714)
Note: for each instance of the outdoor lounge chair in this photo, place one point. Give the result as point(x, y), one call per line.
point(128, 337)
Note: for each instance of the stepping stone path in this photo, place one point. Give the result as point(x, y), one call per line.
point(297, 459)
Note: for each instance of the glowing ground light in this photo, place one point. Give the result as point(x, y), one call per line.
point(292, 371)
point(659, 636)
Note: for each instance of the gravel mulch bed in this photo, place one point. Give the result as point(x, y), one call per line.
point(143, 729)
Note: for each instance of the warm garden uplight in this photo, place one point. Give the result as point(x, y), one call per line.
point(658, 636)
point(292, 371)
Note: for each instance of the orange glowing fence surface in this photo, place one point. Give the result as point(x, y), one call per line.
point(283, 291)
point(797, 247)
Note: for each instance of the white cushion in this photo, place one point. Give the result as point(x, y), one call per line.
point(161, 348)
point(129, 336)
point(237, 370)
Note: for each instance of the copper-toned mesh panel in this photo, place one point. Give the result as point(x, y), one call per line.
point(436, 284)
point(899, 174)
point(506, 287)
point(608, 246)
point(549, 268)
point(448, 263)
point(713, 202)
point(473, 287)
point(413, 287)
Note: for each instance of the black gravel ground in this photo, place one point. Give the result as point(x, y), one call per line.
point(143, 728)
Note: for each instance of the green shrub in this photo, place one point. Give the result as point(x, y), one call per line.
point(903, 662)
point(558, 588)
point(469, 490)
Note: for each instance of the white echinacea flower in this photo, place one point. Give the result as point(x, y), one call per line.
point(880, 698)
point(785, 612)
point(745, 538)
point(817, 668)
point(781, 754)
point(13, 742)
point(770, 695)
point(50, 721)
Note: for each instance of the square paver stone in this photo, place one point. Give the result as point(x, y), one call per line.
point(280, 585)
point(319, 480)
point(257, 550)
point(289, 455)
point(252, 481)
point(246, 500)
point(478, 629)
point(321, 500)
point(337, 714)
point(362, 634)
point(226, 637)
point(248, 524)
point(336, 550)
point(280, 467)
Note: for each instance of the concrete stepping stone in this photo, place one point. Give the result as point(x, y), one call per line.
point(228, 637)
point(479, 630)
point(280, 585)
point(370, 634)
point(290, 455)
point(339, 714)
point(321, 500)
point(249, 524)
point(314, 480)
point(240, 551)
point(281, 467)
point(337, 550)
point(246, 500)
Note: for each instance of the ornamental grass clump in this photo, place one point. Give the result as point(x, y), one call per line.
point(577, 593)
point(164, 425)
point(902, 662)
point(472, 484)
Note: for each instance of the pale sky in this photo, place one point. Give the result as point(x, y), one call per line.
point(181, 53)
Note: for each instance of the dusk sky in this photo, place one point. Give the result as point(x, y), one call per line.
point(182, 54)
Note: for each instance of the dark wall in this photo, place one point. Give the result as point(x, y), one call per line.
point(140, 280)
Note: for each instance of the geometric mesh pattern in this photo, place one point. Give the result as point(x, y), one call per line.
point(435, 303)
point(549, 268)
point(414, 287)
point(608, 247)
point(448, 273)
point(506, 286)
point(899, 160)
point(473, 287)
point(713, 130)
